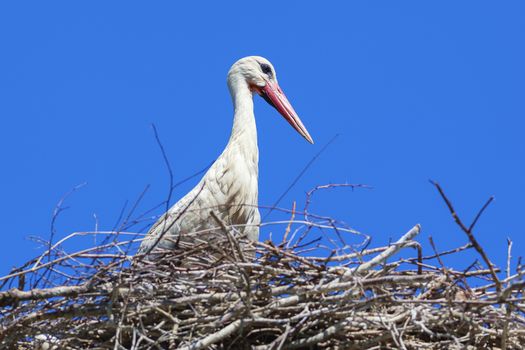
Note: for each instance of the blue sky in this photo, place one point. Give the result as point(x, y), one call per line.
point(416, 90)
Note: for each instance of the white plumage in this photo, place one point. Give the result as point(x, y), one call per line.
point(229, 188)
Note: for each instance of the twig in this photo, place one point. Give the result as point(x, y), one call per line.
point(14, 295)
point(215, 337)
point(509, 256)
point(394, 248)
point(288, 228)
point(468, 231)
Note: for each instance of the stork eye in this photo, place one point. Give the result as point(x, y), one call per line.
point(266, 69)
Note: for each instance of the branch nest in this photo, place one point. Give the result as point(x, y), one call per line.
point(215, 295)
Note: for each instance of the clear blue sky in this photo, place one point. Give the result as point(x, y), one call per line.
point(417, 91)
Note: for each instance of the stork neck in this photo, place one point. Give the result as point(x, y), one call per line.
point(244, 129)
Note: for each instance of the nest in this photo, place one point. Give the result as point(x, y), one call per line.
point(301, 293)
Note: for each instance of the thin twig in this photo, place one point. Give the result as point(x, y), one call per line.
point(469, 233)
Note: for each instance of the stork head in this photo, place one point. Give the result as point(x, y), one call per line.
point(258, 73)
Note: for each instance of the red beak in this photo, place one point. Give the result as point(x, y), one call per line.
point(273, 94)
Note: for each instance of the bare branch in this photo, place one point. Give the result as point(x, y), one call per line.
point(469, 233)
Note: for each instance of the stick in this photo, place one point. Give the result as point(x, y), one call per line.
point(215, 337)
point(394, 248)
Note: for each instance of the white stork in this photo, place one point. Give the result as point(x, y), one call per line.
point(229, 188)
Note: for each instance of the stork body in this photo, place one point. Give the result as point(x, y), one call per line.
point(230, 187)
